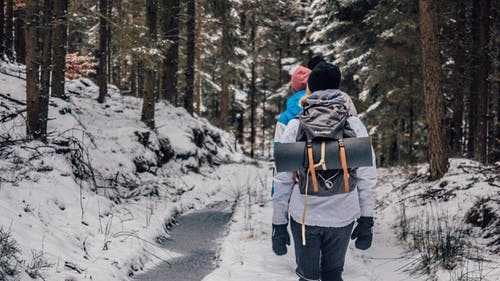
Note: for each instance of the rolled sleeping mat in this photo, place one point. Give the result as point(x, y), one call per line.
point(293, 156)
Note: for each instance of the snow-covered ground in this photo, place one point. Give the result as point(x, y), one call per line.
point(247, 255)
point(90, 203)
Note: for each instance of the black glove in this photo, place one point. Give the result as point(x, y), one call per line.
point(281, 238)
point(363, 233)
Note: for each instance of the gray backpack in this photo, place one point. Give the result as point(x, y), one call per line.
point(324, 121)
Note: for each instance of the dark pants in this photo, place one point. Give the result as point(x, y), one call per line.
point(328, 242)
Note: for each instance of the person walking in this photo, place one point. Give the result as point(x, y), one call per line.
point(322, 222)
point(293, 107)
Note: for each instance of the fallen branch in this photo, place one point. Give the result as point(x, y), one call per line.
point(12, 99)
point(11, 116)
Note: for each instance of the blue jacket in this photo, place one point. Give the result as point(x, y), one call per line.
point(293, 109)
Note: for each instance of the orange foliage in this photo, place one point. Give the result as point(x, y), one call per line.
point(79, 66)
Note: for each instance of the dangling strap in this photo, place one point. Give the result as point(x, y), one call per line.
point(322, 161)
point(343, 161)
point(311, 166)
point(304, 211)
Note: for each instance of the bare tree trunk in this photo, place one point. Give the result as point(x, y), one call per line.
point(191, 28)
point(480, 148)
point(474, 87)
point(170, 29)
point(2, 29)
point(20, 40)
point(432, 89)
point(108, 43)
point(224, 92)
point(148, 105)
point(253, 87)
point(9, 22)
point(59, 47)
point(133, 79)
point(197, 79)
point(46, 30)
point(37, 105)
point(103, 48)
point(459, 82)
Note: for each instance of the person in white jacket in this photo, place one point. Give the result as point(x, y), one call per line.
point(330, 219)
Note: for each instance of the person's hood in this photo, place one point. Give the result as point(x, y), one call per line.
point(293, 103)
point(325, 97)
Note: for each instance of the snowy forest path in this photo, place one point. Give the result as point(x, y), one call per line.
point(195, 237)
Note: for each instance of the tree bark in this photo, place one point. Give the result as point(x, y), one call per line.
point(148, 105)
point(103, 47)
point(481, 128)
point(224, 79)
point(36, 104)
point(9, 25)
point(2, 29)
point(197, 82)
point(474, 87)
point(20, 39)
point(432, 89)
point(253, 87)
point(108, 43)
point(46, 32)
point(170, 29)
point(59, 39)
point(191, 28)
point(458, 82)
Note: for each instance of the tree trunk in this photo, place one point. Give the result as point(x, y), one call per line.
point(46, 32)
point(37, 105)
point(199, 46)
point(224, 79)
point(253, 87)
point(432, 89)
point(2, 29)
point(108, 43)
point(103, 48)
point(20, 42)
point(474, 87)
point(148, 105)
point(458, 82)
point(191, 28)
point(482, 87)
point(9, 22)
point(170, 29)
point(59, 47)
point(133, 79)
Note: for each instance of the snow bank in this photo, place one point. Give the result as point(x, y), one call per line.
point(91, 202)
point(247, 255)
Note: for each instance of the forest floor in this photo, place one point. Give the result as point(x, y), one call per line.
point(407, 205)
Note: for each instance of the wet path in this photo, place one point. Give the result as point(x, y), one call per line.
point(195, 237)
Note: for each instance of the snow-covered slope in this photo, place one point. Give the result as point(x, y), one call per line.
point(89, 203)
point(468, 231)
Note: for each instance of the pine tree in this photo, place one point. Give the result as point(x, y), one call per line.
point(59, 39)
point(103, 48)
point(190, 67)
point(148, 104)
point(170, 30)
point(37, 104)
point(9, 21)
point(432, 89)
point(2, 29)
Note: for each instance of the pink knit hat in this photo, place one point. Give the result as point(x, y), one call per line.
point(299, 79)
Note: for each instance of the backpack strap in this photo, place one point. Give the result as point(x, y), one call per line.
point(311, 169)
point(343, 161)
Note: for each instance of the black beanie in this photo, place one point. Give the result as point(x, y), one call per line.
point(314, 61)
point(324, 76)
